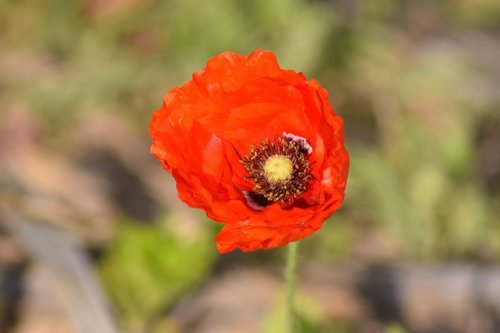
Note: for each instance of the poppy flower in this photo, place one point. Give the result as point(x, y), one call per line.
point(257, 147)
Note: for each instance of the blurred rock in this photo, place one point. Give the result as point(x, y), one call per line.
point(50, 189)
point(424, 298)
point(20, 132)
point(12, 290)
point(235, 302)
point(135, 180)
point(374, 245)
point(46, 186)
point(62, 293)
point(436, 298)
point(41, 310)
point(335, 291)
point(11, 252)
point(108, 132)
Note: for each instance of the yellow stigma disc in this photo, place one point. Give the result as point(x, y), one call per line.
point(278, 168)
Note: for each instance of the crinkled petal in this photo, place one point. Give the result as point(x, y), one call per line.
point(206, 126)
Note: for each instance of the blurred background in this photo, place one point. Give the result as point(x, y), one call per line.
point(94, 240)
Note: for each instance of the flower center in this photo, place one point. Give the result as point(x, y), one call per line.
point(279, 170)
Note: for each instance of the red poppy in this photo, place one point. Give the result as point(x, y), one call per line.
point(257, 147)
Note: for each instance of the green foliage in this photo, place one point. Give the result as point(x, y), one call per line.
point(309, 318)
point(146, 269)
point(333, 243)
point(420, 181)
point(476, 12)
point(126, 59)
point(394, 328)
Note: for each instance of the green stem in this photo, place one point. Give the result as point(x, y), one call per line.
point(291, 264)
